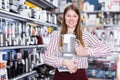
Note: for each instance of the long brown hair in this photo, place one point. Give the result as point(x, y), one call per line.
point(78, 29)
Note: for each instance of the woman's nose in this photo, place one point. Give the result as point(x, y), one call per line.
point(71, 18)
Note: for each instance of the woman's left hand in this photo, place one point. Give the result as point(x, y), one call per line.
point(81, 51)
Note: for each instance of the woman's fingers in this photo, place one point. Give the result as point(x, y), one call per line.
point(81, 51)
point(74, 68)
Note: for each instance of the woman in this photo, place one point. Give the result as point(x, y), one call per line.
point(88, 46)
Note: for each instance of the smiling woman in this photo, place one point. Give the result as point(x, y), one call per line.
point(71, 20)
point(87, 46)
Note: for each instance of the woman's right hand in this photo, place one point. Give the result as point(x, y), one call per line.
point(70, 64)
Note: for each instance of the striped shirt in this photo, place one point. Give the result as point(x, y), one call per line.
point(95, 47)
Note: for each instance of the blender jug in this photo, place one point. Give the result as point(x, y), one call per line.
point(68, 48)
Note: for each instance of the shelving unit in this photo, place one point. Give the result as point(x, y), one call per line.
point(103, 15)
point(24, 75)
point(99, 11)
point(22, 47)
point(101, 25)
point(41, 23)
point(43, 4)
point(103, 30)
point(9, 15)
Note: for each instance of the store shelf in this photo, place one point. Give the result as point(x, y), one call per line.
point(115, 49)
point(8, 15)
point(99, 11)
point(43, 4)
point(41, 23)
point(42, 45)
point(107, 25)
point(38, 64)
point(24, 75)
point(21, 47)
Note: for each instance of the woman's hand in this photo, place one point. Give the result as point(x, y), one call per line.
point(81, 51)
point(70, 64)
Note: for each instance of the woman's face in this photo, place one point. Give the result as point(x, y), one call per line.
point(71, 18)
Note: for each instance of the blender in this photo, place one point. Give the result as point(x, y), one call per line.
point(68, 49)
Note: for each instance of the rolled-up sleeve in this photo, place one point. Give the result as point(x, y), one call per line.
point(96, 47)
point(51, 56)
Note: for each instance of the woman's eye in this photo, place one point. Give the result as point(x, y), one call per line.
point(75, 16)
point(71, 16)
point(68, 15)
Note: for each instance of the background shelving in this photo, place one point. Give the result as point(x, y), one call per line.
point(22, 47)
point(9, 15)
point(100, 18)
point(24, 75)
point(29, 51)
point(43, 4)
